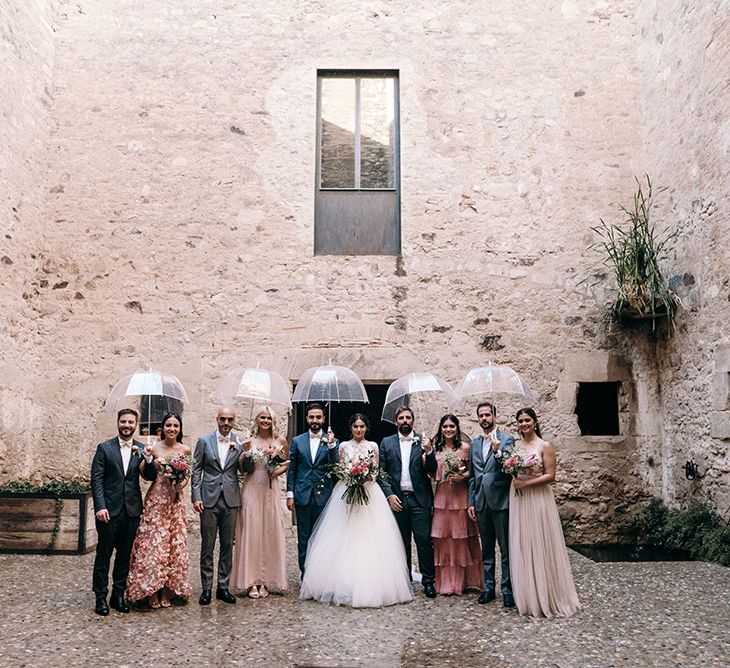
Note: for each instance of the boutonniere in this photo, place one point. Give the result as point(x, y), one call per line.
point(324, 441)
point(416, 439)
point(137, 450)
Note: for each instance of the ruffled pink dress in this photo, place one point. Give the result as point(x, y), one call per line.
point(160, 556)
point(457, 553)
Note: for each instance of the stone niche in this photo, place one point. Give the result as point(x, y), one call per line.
point(598, 480)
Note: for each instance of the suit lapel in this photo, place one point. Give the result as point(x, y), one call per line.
point(479, 454)
point(213, 450)
point(398, 463)
point(117, 455)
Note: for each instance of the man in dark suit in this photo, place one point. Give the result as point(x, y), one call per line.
point(216, 496)
point(489, 500)
point(408, 460)
point(115, 473)
point(308, 487)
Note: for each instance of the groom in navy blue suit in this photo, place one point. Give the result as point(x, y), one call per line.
point(308, 487)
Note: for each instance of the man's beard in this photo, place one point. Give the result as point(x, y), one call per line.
point(405, 429)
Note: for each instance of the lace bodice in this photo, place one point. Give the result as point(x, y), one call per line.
point(351, 451)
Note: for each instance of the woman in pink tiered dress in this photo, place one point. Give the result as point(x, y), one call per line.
point(260, 556)
point(160, 561)
point(457, 554)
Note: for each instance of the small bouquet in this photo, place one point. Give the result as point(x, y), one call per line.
point(271, 457)
point(451, 464)
point(515, 463)
point(177, 469)
point(355, 473)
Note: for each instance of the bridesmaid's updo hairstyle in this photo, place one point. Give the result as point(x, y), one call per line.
point(165, 418)
point(359, 416)
point(439, 441)
point(533, 415)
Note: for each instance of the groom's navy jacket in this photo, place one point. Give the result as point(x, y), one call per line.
point(306, 478)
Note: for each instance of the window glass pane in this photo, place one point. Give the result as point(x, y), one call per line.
point(337, 166)
point(377, 133)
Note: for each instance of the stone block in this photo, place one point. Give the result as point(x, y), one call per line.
point(721, 390)
point(720, 424)
point(598, 366)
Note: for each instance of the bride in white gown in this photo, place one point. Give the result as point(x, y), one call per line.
point(355, 555)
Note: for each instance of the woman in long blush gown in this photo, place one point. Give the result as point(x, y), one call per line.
point(356, 556)
point(160, 562)
point(260, 556)
point(542, 581)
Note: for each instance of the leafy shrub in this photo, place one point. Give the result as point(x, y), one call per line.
point(73, 486)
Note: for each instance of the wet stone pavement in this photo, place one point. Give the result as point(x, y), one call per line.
point(635, 614)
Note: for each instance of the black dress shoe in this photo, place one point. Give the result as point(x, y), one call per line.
point(225, 596)
point(508, 600)
point(429, 590)
point(486, 596)
point(118, 603)
point(101, 607)
point(205, 597)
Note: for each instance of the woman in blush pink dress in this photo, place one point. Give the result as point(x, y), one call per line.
point(260, 557)
point(542, 581)
point(457, 554)
point(160, 561)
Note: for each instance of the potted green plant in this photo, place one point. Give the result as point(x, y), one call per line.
point(633, 256)
point(55, 517)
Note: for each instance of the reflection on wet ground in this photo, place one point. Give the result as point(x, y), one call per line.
point(635, 614)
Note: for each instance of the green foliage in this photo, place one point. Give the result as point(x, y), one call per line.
point(73, 486)
point(698, 530)
point(633, 253)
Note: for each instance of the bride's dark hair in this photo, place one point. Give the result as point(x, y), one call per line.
point(533, 415)
point(359, 416)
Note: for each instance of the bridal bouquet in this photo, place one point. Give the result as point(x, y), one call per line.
point(271, 456)
point(177, 469)
point(355, 473)
point(451, 463)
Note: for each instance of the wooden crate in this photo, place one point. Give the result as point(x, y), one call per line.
point(46, 523)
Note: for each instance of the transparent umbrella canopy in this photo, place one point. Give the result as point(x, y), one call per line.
point(492, 382)
point(423, 392)
point(329, 384)
point(245, 388)
point(145, 384)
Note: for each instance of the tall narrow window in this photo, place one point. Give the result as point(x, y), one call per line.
point(357, 198)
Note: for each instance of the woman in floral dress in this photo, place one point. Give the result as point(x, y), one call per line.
point(457, 554)
point(160, 560)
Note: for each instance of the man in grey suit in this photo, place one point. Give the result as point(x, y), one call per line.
point(489, 500)
point(217, 497)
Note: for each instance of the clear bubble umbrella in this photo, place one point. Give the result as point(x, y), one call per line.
point(245, 388)
point(141, 386)
point(329, 384)
point(492, 382)
point(423, 392)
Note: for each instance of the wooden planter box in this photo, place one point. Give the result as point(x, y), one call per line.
point(43, 523)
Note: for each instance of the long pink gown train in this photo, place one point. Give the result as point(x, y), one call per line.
point(542, 581)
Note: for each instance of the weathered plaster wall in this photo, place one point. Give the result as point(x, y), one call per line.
point(27, 52)
point(684, 53)
point(179, 196)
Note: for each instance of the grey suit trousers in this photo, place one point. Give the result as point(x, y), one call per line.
point(221, 517)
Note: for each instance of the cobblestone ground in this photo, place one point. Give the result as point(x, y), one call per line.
point(648, 614)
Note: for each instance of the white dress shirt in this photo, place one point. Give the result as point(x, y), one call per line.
point(314, 442)
point(224, 446)
point(406, 484)
point(125, 448)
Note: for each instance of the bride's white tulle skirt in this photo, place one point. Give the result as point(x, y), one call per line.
point(355, 555)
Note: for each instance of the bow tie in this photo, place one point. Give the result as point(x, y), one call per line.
point(125, 444)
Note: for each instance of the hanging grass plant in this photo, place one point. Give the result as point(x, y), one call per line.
point(633, 254)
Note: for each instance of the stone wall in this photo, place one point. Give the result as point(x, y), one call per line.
point(684, 53)
point(27, 53)
point(178, 230)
